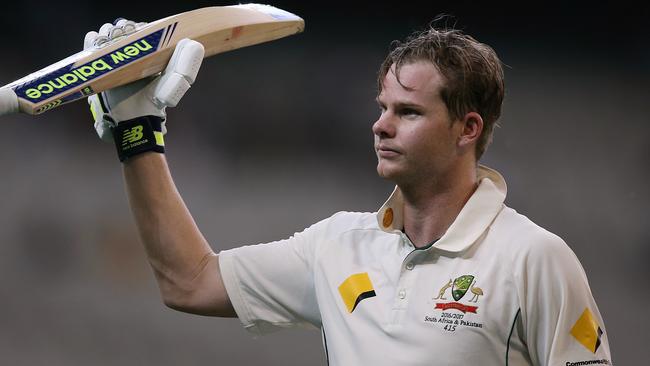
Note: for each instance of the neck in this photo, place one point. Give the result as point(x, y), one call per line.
point(432, 206)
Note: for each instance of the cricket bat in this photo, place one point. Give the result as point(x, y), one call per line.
point(147, 50)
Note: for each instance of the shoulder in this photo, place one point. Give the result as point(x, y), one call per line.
point(344, 221)
point(534, 252)
point(341, 222)
point(347, 231)
point(521, 235)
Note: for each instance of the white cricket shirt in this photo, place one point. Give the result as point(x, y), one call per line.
point(496, 289)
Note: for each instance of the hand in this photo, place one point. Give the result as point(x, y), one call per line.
point(8, 101)
point(146, 97)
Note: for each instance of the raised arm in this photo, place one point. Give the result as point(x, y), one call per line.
point(186, 268)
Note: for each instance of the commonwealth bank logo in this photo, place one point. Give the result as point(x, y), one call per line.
point(587, 331)
point(355, 289)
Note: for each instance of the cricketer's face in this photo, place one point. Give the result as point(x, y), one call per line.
point(415, 140)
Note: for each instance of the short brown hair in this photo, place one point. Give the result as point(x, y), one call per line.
point(472, 72)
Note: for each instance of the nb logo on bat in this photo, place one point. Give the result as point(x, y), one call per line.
point(132, 135)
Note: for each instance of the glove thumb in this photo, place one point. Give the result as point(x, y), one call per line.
point(180, 72)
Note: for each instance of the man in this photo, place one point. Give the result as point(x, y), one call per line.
point(443, 273)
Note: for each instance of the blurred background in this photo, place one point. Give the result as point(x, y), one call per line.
point(274, 137)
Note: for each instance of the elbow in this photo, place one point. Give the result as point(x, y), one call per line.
point(188, 303)
point(175, 298)
point(185, 299)
point(177, 305)
point(171, 301)
point(176, 292)
point(203, 294)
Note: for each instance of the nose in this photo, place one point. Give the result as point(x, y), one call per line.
point(384, 127)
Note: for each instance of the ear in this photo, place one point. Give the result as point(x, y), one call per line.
point(471, 128)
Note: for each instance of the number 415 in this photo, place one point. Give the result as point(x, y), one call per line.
point(450, 328)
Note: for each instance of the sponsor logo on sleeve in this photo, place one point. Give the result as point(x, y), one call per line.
point(587, 331)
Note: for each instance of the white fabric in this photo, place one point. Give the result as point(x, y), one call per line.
point(8, 101)
point(527, 293)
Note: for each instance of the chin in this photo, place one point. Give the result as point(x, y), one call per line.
point(386, 172)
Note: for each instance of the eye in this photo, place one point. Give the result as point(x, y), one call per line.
point(409, 113)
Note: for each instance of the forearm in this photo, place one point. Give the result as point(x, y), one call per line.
point(182, 260)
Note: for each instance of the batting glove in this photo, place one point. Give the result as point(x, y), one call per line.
point(8, 101)
point(144, 99)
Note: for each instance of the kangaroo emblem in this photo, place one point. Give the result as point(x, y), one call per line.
point(441, 293)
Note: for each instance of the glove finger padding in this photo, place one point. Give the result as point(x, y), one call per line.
point(180, 72)
point(89, 40)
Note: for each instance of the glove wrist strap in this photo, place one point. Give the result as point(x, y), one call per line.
point(138, 135)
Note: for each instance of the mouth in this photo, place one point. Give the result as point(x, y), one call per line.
point(384, 151)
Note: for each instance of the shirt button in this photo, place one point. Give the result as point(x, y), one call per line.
point(410, 265)
point(402, 294)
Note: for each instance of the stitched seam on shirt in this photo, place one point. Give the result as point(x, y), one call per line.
point(514, 321)
point(511, 269)
point(327, 354)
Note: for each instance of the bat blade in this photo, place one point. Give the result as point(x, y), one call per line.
point(147, 51)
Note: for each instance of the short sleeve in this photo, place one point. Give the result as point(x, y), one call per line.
point(271, 286)
point(561, 320)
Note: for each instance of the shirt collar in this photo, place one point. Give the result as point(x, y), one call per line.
point(477, 214)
